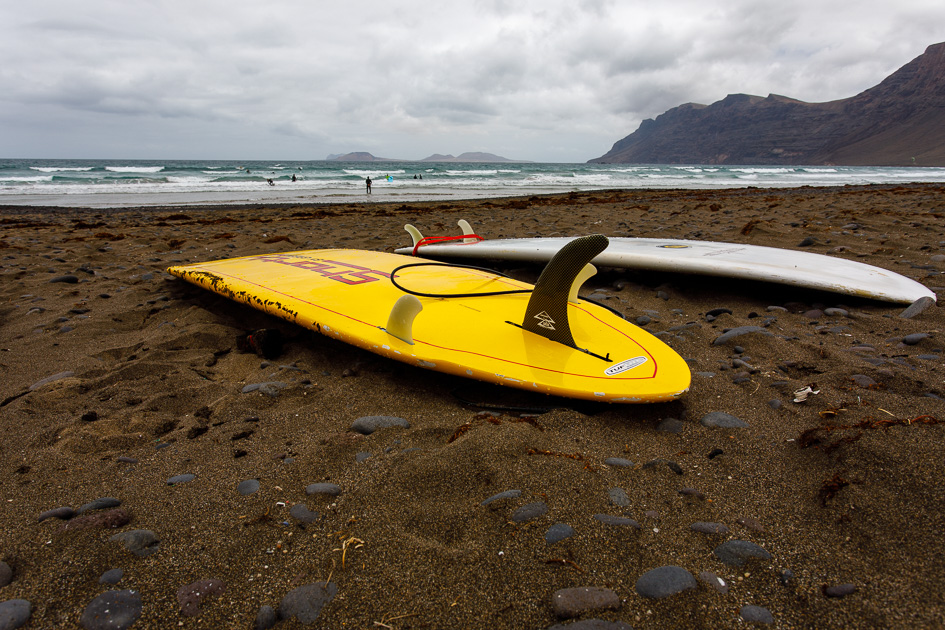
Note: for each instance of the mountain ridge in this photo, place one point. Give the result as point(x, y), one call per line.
point(899, 122)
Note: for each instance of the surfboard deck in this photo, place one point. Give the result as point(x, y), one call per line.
point(710, 258)
point(348, 295)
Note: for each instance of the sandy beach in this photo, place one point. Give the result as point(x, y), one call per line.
point(224, 489)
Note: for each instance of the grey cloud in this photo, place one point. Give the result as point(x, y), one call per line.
point(453, 110)
point(556, 78)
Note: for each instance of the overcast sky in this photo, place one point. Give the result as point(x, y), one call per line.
point(549, 80)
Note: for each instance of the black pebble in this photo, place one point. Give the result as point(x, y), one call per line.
point(14, 613)
point(63, 513)
point(300, 512)
point(266, 618)
point(114, 609)
point(6, 574)
point(914, 338)
point(112, 576)
point(99, 504)
point(839, 590)
point(529, 512)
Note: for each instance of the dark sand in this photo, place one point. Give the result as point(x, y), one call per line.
point(158, 362)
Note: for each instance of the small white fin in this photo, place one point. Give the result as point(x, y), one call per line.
point(587, 272)
point(400, 322)
point(467, 229)
point(414, 234)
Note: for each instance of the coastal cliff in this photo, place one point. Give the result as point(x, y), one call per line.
point(900, 122)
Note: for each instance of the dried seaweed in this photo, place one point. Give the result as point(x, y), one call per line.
point(748, 227)
point(496, 420)
point(831, 487)
point(574, 456)
point(816, 435)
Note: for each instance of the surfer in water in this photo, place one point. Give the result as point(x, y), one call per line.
point(367, 182)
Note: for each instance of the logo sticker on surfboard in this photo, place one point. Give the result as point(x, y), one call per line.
point(623, 366)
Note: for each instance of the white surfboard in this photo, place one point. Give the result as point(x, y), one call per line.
point(730, 260)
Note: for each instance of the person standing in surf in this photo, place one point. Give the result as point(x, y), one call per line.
point(367, 182)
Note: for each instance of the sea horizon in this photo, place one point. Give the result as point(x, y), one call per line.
point(98, 183)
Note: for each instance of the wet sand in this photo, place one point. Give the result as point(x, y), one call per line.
point(118, 378)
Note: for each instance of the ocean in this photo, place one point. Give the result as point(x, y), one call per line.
point(118, 183)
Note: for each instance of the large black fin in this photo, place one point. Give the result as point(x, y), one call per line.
point(547, 311)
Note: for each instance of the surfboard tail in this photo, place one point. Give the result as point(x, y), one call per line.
point(468, 236)
point(547, 310)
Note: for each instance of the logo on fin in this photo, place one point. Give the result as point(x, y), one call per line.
point(545, 321)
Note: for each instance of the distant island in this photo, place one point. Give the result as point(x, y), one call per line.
point(900, 122)
point(472, 156)
point(358, 156)
point(363, 156)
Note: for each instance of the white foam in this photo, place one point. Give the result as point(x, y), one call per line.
point(134, 169)
point(57, 169)
point(37, 178)
point(372, 173)
point(628, 169)
point(762, 170)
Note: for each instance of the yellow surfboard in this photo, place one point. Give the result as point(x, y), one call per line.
point(465, 321)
